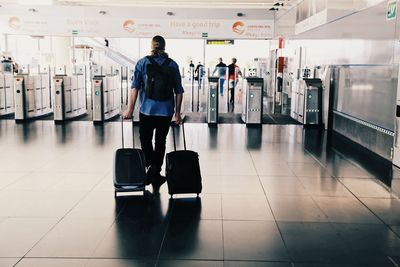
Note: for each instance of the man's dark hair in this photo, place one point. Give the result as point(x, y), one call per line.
point(158, 46)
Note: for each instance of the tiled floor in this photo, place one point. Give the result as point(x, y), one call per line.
point(273, 197)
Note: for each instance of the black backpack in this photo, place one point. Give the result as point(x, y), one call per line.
point(160, 80)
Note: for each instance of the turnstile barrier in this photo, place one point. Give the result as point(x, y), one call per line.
point(32, 96)
point(6, 94)
point(106, 95)
point(252, 97)
point(307, 98)
point(212, 100)
point(69, 97)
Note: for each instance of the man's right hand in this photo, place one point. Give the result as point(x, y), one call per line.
point(127, 114)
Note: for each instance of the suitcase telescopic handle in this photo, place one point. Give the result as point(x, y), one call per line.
point(184, 136)
point(122, 124)
point(122, 130)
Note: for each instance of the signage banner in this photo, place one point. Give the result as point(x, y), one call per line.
point(131, 27)
point(220, 42)
point(391, 10)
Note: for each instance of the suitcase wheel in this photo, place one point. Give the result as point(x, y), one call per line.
point(115, 194)
point(171, 197)
point(198, 195)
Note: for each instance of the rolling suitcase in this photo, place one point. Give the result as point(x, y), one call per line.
point(129, 168)
point(183, 170)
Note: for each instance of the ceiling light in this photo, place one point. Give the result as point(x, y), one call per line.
point(169, 13)
point(240, 14)
point(102, 12)
point(273, 9)
point(32, 10)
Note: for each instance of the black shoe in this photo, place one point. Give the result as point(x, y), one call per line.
point(158, 182)
point(150, 175)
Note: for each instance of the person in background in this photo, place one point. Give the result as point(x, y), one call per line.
point(221, 68)
point(233, 74)
point(199, 74)
point(191, 70)
point(106, 42)
point(155, 115)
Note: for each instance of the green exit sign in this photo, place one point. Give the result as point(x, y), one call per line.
point(391, 10)
point(204, 34)
point(74, 32)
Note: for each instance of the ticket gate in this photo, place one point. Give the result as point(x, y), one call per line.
point(307, 101)
point(106, 97)
point(6, 94)
point(252, 95)
point(69, 97)
point(32, 96)
point(212, 101)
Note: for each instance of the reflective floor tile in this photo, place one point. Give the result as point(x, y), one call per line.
point(255, 264)
point(187, 263)
point(341, 265)
point(29, 262)
point(78, 182)
point(246, 207)
point(279, 169)
point(313, 242)
point(328, 187)
point(96, 205)
point(365, 188)
point(309, 170)
point(296, 208)
point(346, 210)
point(8, 262)
point(369, 244)
point(48, 204)
point(343, 168)
point(340, 243)
point(283, 186)
point(132, 239)
point(212, 184)
point(8, 178)
point(396, 229)
point(241, 185)
point(36, 181)
point(153, 208)
point(387, 210)
point(396, 260)
point(193, 239)
point(119, 263)
point(207, 207)
point(19, 235)
point(72, 238)
point(253, 240)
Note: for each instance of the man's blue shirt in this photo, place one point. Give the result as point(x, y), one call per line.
point(149, 106)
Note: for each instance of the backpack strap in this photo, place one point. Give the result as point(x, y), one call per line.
point(151, 59)
point(166, 62)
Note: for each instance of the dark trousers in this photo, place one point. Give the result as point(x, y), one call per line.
point(154, 156)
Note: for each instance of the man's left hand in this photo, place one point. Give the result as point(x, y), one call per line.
point(178, 118)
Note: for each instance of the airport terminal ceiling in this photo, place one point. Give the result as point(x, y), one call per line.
point(258, 4)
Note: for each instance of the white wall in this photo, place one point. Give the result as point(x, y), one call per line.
point(184, 50)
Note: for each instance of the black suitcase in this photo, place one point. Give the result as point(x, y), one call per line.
point(129, 168)
point(183, 170)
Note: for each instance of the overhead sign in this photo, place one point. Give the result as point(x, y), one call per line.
point(133, 27)
point(391, 10)
point(220, 42)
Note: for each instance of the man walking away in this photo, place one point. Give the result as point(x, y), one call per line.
point(233, 73)
point(158, 81)
point(221, 69)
